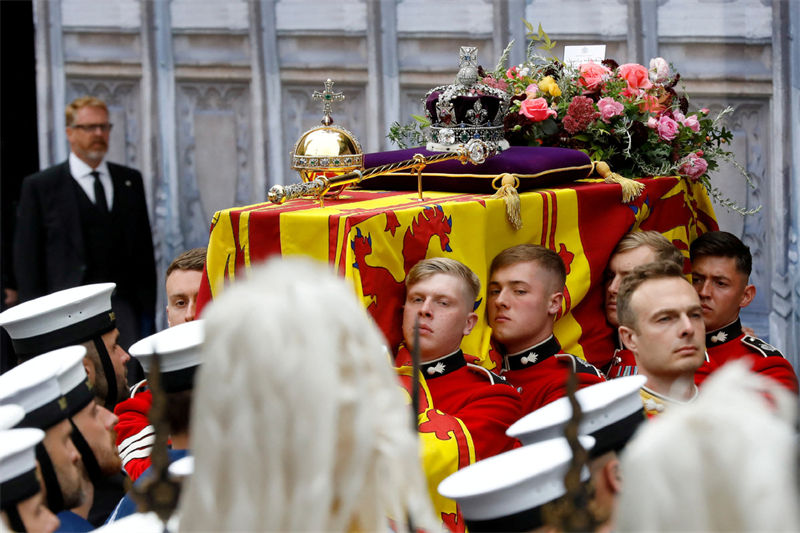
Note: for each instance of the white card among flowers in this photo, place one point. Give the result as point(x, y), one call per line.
point(575, 55)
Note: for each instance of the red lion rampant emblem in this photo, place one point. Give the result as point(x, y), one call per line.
point(377, 282)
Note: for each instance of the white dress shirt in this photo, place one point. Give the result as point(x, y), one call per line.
point(81, 172)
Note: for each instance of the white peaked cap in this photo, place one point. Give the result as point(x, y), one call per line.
point(70, 373)
point(10, 415)
point(522, 479)
point(179, 349)
point(18, 479)
point(34, 388)
point(17, 451)
point(182, 468)
point(71, 316)
point(611, 412)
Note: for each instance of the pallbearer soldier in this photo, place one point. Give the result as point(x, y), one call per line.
point(21, 499)
point(721, 265)
point(526, 288)
point(634, 249)
point(36, 390)
point(80, 315)
point(440, 295)
point(661, 321)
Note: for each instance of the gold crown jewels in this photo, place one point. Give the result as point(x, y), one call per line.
point(327, 148)
point(466, 110)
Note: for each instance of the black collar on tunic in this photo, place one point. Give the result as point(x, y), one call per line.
point(724, 334)
point(443, 365)
point(533, 355)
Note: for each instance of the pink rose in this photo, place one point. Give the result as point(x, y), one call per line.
point(609, 108)
point(692, 123)
point(667, 128)
point(704, 111)
point(636, 76)
point(693, 166)
point(592, 75)
point(536, 109)
point(659, 70)
point(678, 116)
point(531, 90)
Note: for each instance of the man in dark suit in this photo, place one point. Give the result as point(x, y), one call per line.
point(85, 221)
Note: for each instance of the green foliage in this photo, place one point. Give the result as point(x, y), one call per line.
point(409, 134)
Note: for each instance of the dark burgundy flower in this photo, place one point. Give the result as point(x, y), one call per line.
point(684, 104)
point(517, 138)
point(639, 132)
point(580, 113)
point(610, 63)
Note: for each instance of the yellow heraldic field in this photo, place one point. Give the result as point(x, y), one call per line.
point(446, 446)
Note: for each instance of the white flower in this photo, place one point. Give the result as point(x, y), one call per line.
point(659, 70)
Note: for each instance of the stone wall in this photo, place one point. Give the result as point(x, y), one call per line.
point(208, 96)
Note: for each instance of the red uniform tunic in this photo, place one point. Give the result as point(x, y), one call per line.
point(135, 435)
point(540, 373)
point(482, 400)
point(730, 343)
point(623, 363)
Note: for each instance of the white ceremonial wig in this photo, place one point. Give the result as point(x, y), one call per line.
point(726, 462)
point(299, 421)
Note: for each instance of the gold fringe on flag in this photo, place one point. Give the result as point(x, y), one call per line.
point(508, 192)
point(630, 189)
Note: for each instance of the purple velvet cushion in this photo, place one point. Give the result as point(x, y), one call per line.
point(536, 167)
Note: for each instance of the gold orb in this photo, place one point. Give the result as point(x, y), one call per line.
point(330, 150)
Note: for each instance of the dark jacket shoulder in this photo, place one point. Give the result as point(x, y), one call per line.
point(579, 366)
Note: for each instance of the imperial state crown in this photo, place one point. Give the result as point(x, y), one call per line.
point(466, 109)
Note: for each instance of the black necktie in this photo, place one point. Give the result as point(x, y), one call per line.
point(99, 193)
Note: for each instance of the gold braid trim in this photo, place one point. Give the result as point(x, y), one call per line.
point(630, 189)
point(508, 192)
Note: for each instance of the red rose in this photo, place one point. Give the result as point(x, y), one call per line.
point(636, 76)
point(592, 75)
point(536, 109)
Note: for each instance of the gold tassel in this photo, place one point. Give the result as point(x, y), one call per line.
point(630, 189)
point(508, 192)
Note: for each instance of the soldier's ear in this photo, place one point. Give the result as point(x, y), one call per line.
point(612, 475)
point(628, 338)
point(748, 295)
point(89, 367)
point(554, 306)
point(472, 319)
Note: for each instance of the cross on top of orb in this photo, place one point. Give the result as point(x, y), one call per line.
point(327, 97)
